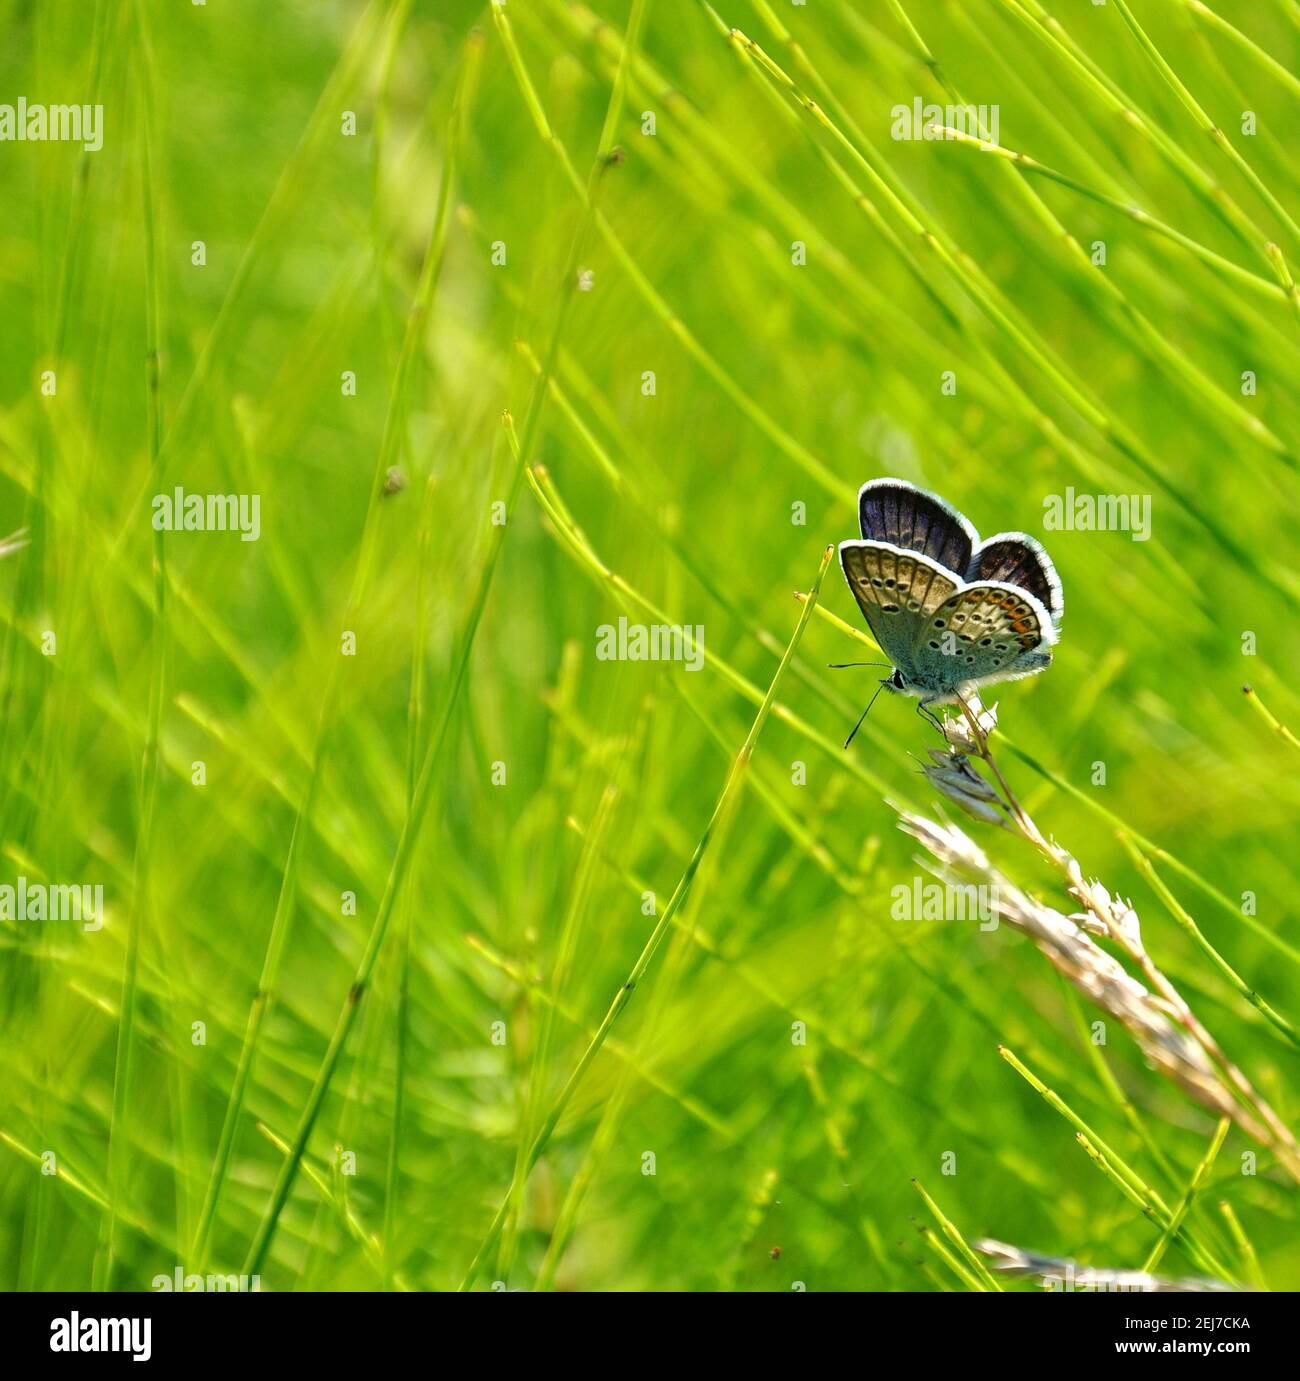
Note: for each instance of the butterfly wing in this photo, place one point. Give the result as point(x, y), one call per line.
point(985, 632)
point(899, 513)
point(896, 591)
point(1016, 559)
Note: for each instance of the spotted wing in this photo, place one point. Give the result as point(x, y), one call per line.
point(896, 591)
point(899, 513)
point(1015, 559)
point(990, 631)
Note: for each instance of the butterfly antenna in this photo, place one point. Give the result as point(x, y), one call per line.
point(863, 715)
point(839, 666)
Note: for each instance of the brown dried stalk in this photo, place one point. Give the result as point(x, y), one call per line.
point(1155, 1014)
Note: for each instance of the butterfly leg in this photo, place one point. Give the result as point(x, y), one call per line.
point(924, 710)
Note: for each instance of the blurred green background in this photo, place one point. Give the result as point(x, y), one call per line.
point(477, 227)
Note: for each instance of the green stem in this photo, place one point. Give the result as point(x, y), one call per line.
point(725, 802)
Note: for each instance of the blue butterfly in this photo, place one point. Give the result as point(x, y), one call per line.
point(950, 612)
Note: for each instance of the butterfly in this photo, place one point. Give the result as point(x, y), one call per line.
point(950, 612)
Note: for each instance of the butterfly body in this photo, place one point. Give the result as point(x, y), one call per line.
point(950, 612)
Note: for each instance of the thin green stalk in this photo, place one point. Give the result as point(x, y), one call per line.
point(414, 723)
point(347, 1214)
point(1230, 271)
point(633, 1061)
point(972, 1282)
point(1269, 718)
point(949, 1229)
point(630, 1058)
point(392, 889)
point(1266, 60)
point(780, 437)
point(1110, 1083)
point(394, 428)
point(1121, 104)
point(726, 801)
point(119, 1131)
point(1184, 1204)
point(1107, 1168)
point(1184, 919)
point(1144, 1195)
point(429, 772)
point(1245, 1248)
point(1001, 386)
point(1199, 388)
point(574, 912)
point(1206, 124)
point(993, 303)
point(1026, 1170)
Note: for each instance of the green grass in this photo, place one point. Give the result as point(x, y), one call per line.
point(620, 917)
